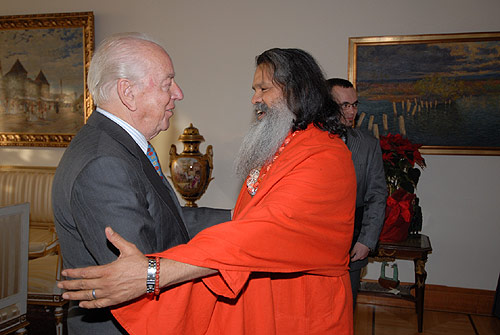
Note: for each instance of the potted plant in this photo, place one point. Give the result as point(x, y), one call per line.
point(403, 213)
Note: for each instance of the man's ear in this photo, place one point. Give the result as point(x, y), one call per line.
point(125, 91)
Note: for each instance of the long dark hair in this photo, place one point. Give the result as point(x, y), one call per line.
point(304, 89)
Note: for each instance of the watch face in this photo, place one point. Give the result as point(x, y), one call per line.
point(151, 276)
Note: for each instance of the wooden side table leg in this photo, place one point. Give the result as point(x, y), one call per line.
point(420, 276)
point(58, 313)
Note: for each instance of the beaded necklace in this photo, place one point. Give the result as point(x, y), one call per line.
point(255, 176)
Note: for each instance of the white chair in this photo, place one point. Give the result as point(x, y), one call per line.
point(14, 240)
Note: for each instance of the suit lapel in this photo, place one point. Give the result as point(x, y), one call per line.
point(163, 190)
point(353, 142)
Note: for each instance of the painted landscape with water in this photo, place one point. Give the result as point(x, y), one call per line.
point(437, 94)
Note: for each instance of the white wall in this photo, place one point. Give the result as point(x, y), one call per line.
point(213, 45)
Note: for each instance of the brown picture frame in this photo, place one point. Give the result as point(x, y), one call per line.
point(444, 71)
point(44, 98)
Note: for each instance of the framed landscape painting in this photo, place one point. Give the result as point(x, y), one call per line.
point(441, 91)
point(44, 60)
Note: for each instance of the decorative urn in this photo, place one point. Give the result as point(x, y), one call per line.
point(191, 171)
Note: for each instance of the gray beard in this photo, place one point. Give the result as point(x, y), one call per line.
point(264, 138)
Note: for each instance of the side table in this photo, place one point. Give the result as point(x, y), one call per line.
point(47, 313)
point(416, 248)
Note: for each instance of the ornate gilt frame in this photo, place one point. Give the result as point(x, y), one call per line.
point(459, 38)
point(51, 22)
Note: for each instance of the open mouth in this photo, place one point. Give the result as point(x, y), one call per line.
point(260, 110)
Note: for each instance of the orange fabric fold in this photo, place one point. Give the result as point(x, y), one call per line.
point(282, 260)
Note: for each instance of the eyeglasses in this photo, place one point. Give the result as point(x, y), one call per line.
point(346, 105)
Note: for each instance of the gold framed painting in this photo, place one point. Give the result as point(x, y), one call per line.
point(44, 60)
point(439, 90)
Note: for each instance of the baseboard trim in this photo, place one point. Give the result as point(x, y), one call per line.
point(441, 298)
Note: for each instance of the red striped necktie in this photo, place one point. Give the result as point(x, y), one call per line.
point(154, 159)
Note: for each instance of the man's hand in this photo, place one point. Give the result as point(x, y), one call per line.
point(113, 283)
point(359, 252)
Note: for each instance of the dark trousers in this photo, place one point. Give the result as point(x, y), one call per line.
point(355, 271)
point(355, 276)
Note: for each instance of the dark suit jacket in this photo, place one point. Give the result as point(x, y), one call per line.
point(371, 189)
point(105, 179)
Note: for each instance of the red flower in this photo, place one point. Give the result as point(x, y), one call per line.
point(399, 156)
point(387, 157)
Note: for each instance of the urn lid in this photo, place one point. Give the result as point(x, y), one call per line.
point(191, 134)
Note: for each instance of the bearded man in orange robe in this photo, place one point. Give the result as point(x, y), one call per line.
point(281, 265)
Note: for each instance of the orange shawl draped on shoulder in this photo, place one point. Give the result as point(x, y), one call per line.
point(282, 260)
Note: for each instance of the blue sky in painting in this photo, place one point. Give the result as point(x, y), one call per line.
point(415, 61)
point(57, 52)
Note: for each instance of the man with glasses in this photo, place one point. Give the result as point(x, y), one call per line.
point(371, 189)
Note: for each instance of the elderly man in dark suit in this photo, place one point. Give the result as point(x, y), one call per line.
point(105, 177)
point(371, 191)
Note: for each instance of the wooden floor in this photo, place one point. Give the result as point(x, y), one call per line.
point(387, 320)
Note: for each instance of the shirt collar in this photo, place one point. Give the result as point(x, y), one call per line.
point(134, 133)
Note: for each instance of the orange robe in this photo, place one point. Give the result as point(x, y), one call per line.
point(282, 260)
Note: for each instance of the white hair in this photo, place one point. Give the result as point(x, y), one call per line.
point(118, 56)
point(263, 138)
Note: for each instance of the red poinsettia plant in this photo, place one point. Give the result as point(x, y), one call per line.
point(403, 213)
